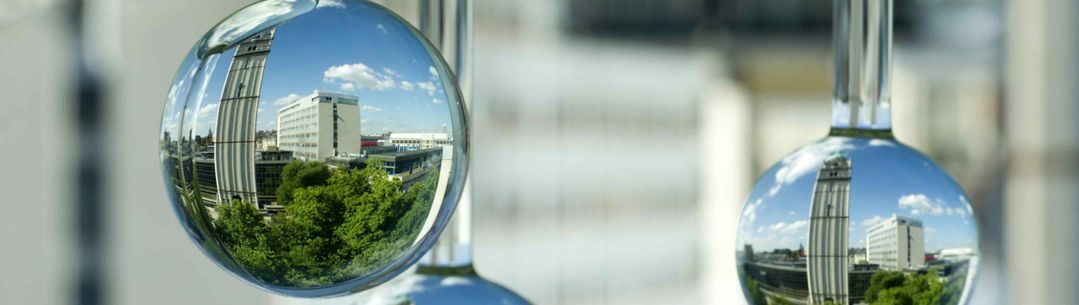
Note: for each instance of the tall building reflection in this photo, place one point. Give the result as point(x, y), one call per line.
point(828, 232)
point(234, 148)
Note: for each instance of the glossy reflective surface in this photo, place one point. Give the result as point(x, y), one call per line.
point(314, 149)
point(850, 220)
point(426, 288)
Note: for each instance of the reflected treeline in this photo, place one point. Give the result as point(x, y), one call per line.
point(885, 288)
point(336, 223)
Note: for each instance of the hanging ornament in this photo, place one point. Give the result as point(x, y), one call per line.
point(314, 148)
point(858, 217)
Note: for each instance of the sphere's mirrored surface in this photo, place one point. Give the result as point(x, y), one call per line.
point(436, 289)
point(857, 221)
point(314, 148)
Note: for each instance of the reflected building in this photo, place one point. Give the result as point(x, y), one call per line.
point(408, 166)
point(420, 140)
point(320, 126)
point(206, 176)
point(268, 168)
point(234, 148)
point(827, 258)
point(897, 243)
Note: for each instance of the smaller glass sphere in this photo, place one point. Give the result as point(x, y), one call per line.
point(857, 221)
point(314, 148)
point(440, 289)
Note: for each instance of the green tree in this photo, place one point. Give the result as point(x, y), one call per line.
point(299, 174)
point(882, 281)
point(756, 296)
point(331, 229)
point(239, 223)
point(922, 289)
point(781, 301)
point(421, 195)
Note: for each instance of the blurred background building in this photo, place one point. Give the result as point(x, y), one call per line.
point(614, 140)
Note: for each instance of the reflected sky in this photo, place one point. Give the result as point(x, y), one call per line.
point(397, 85)
point(888, 178)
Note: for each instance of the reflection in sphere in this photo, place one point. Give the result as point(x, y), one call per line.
point(856, 221)
point(313, 149)
point(440, 289)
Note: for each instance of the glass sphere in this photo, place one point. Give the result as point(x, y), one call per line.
point(314, 149)
point(440, 289)
point(857, 221)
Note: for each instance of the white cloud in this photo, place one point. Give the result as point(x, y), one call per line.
point(348, 87)
point(806, 160)
point(437, 101)
point(361, 75)
point(790, 228)
point(966, 204)
point(433, 71)
point(285, 100)
point(450, 281)
point(370, 108)
point(407, 86)
point(772, 191)
point(750, 212)
point(382, 28)
point(428, 86)
point(331, 3)
point(962, 213)
point(872, 221)
point(208, 110)
point(930, 230)
point(391, 72)
point(880, 142)
point(919, 204)
point(791, 213)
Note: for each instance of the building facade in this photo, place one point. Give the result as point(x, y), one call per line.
point(268, 168)
point(420, 140)
point(827, 259)
point(897, 243)
point(320, 126)
point(234, 146)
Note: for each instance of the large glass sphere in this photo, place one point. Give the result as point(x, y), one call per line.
point(314, 149)
point(857, 221)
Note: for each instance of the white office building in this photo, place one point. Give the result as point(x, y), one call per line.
point(897, 243)
point(319, 126)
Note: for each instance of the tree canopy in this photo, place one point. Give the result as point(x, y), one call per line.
point(896, 288)
point(298, 174)
point(337, 224)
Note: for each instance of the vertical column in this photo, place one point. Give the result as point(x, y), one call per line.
point(862, 40)
point(1042, 185)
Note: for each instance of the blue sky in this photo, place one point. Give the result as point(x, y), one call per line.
point(351, 50)
point(888, 179)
